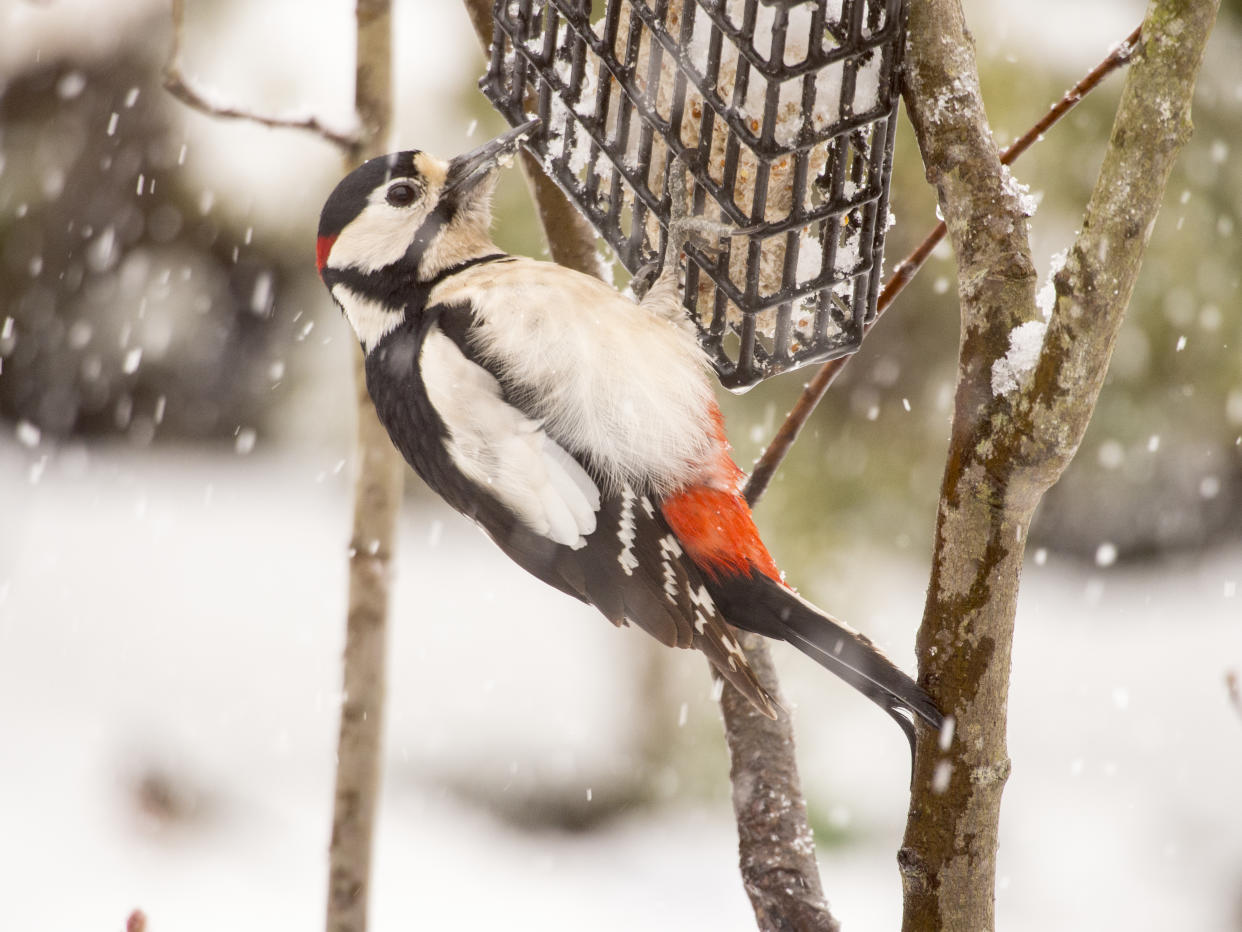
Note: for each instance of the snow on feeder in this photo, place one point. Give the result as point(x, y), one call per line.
point(784, 113)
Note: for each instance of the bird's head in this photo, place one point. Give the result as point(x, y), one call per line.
point(400, 219)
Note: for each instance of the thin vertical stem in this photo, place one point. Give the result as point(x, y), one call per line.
point(377, 495)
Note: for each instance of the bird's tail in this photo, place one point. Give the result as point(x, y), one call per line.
point(761, 604)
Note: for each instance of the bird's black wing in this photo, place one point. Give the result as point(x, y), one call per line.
point(633, 570)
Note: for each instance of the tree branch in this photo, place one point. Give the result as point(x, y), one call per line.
point(176, 83)
point(967, 629)
point(814, 390)
point(1013, 431)
point(377, 497)
point(1094, 287)
point(776, 847)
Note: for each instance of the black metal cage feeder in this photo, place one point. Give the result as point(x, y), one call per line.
point(784, 112)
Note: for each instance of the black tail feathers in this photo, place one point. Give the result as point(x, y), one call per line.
point(760, 604)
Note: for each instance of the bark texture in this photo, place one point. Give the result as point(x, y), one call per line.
point(377, 496)
point(776, 848)
point(1012, 437)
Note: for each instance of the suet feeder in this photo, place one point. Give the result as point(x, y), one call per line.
point(784, 114)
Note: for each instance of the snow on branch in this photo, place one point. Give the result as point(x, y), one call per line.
point(1025, 342)
point(203, 100)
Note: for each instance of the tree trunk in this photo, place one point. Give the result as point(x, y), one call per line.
point(1015, 427)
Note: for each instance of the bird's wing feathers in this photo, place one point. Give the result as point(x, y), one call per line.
point(494, 444)
point(611, 548)
point(634, 569)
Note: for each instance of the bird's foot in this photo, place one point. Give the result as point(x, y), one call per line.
point(643, 279)
point(662, 290)
point(703, 233)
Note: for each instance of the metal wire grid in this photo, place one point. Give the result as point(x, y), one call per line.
point(782, 137)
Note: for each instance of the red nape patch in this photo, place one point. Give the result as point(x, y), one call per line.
point(323, 246)
point(718, 532)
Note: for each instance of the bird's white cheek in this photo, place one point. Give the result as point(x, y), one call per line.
point(377, 238)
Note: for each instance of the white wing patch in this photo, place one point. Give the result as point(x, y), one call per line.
point(703, 602)
point(497, 446)
point(611, 380)
point(670, 552)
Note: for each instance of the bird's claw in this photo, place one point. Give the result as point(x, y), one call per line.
point(644, 278)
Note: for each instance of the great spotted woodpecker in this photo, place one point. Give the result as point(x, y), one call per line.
point(577, 427)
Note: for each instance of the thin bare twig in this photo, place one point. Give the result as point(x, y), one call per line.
point(176, 83)
point(377, 495)
point(813, 393)
point(377, 498)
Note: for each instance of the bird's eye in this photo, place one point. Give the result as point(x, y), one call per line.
point(401, 194)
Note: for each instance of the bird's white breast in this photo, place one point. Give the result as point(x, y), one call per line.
point(612, 381)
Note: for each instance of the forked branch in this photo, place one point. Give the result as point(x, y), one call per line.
point(1015, 427)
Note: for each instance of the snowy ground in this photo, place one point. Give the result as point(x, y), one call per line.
point(179, 614)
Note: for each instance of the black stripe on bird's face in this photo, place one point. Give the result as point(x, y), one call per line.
point(354, 191)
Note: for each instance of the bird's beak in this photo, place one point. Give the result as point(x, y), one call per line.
point(467, 170)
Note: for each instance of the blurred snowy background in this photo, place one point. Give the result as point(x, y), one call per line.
point(174, 441)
